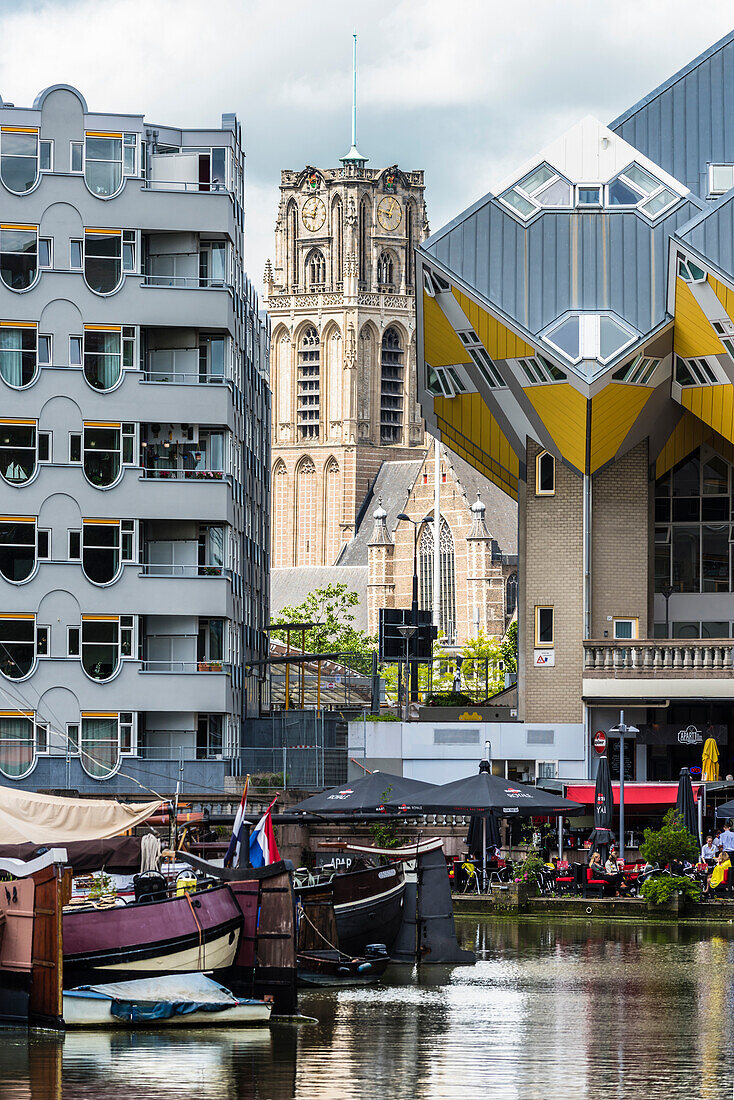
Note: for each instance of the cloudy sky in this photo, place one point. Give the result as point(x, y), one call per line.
point(464, 89)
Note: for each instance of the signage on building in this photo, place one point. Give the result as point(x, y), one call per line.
point(695, 771)
point(600, 742)
point(691, 735)
point(544, 658)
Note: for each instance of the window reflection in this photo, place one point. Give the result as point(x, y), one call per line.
point(18, 354)
point(19, 159)
point(17, 745)
point(17, 549)
point(17, 646)
point(17, 451)
point(18, 255)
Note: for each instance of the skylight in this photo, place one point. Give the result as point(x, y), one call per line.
point(543, 187)
point(589, 336)
point(638, 188)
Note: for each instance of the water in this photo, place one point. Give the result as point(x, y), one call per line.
point(552, 1010)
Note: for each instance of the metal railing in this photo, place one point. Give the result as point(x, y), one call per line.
point(186, 378)
point(677, 657)
point(186, 185)
point(185, 282)
point(149, 569)
point(186, 667)
point(183, 475)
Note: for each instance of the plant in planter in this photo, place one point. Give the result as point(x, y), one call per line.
point(670, 843)
point(529, 870)
point(661, 888)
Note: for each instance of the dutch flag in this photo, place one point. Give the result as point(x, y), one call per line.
point(263, 849)
point(233, 852)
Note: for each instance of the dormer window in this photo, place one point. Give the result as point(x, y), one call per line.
point(636, 187)
point(721, 178)
point(589, 195)
point(543, 187)
point(589, 336)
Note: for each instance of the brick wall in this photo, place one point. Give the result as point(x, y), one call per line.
point(620, 539)
point(552, 572)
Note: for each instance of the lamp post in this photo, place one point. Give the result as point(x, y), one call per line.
point(417, 524)
point(622, 730)
point(666, 592)
point(407, 632)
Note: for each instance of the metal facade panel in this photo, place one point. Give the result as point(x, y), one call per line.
point(713, 236)
point(685, 124)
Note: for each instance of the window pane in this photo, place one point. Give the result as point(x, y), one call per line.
point(76, 156)
point(716, 558)
point(715, 630)
point(536, 178)
point(686, 559)
point(545, 625)
point(519, 202)
point(589, 195)
point(622, 195)
point(17, 355)
point(722, 177)
point(18, 257)
point(17, 746)
point(685, 630)
point(100, 746)
point(715, 476)
point(643, 179)
point(566, 337)
point(659, 202)
point(17, 550)
point(612, 337)
point(557, 193)
point(686, 477)
point(17, 452)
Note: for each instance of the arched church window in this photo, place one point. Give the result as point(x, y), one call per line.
point(385, 270)
point(363, 220)
point(293, 242)
point(306, 513)
point(511, 595)
point(409, 257)
point(316, 268)
point(337, 229)
point(392, 386)
point(280, 517)
point(332, 501)
point(309, 365)
point(447, 575)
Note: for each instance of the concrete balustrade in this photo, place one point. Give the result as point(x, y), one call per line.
point(659, 658)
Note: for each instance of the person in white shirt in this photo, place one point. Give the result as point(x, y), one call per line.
point(727, 840)
point(708, 851)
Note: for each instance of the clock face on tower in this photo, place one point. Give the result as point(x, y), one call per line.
point(389, 213)
point(313, 214)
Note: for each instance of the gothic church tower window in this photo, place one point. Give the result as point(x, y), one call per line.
point(308, 384)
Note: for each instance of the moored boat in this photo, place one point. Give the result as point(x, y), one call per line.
point(193, 932)
point(173, 1000)
point(368, 905)
point(334, 968)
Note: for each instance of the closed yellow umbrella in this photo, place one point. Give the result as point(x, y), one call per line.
point(710, 761)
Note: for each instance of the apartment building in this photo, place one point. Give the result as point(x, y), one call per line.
point(134, 451)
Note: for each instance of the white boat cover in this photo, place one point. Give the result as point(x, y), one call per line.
point(27, 817)
point(178, 988)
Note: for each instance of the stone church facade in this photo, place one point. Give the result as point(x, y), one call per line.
point(341, 298)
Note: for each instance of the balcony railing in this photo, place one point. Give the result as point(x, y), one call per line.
point(185, 282)
point(184, 475)
point(185, 667)
point(148, 569)
point(183, 378)
point(664, 658)
point(185, 185)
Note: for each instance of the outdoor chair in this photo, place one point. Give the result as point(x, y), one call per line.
point(546, 881)
point(471, 881)
point(566, 879)
point(594, 887)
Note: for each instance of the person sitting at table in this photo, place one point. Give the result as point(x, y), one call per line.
point(716, 878)
point(597, 870)
point(708, 851)
point(612, 865)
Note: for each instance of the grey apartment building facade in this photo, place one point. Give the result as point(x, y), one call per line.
point(134, 452)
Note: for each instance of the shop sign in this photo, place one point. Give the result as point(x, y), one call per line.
point(695, 771)
point(690, 736)
point(600, 742)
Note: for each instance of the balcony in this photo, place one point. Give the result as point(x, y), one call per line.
point(187, 667)
point(666, 668)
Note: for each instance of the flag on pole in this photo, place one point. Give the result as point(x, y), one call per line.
point(263, 849)
point(233, 852)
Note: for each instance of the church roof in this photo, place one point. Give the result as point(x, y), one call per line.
point(289, 587)
point(393, 483)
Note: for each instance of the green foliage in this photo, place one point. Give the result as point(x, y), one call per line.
point(671, 842)
point(385, 832)
point(529, 870)
point(660, 888)
point(333, 607)
point(450, 699)
point(509, 648)
point(480, 669)
point(101, 884)
point(382, 718)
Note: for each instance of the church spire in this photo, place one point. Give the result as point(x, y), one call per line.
point(354, 158)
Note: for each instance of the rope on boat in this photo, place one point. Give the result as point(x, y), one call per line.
point(302, 913)
point(198, 925)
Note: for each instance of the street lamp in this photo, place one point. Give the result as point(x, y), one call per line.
point(666, 592)
point(417, 524)
point(407, 632)
point(622, 730)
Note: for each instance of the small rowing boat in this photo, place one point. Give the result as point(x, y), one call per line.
point(171, 1000)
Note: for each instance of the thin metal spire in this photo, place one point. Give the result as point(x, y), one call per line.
point(354, 157)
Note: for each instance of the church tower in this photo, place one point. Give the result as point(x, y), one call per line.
point(341, 298)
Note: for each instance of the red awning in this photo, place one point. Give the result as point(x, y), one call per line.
point(635, 794)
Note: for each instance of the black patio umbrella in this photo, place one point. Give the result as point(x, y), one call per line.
point(476, 831)
point(685, 805)
point(366, 795)
point(602, 836)
point(484, 794)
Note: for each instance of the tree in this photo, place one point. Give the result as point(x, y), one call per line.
point(671, 842)
point(508, 645)
point(480, 671)
point(332, 607)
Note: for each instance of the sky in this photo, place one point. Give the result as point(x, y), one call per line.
point(465, 89)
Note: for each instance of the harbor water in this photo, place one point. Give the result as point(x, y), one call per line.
point(552, 1010)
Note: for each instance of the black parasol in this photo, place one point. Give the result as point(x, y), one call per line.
point(602, 836)
point(366, 795)
point(685, 805)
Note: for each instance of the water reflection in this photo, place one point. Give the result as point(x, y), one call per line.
point(551, 1011)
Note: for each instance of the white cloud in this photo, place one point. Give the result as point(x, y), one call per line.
point(465, 90)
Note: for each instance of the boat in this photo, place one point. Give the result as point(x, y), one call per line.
point(334, 968)
point(193, 932)
point(172, 1000)
point(368, 904)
